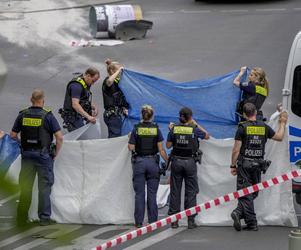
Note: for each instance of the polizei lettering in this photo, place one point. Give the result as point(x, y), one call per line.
point(254, 153)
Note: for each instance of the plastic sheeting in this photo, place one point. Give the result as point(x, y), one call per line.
point(93, 184)
point(9, 151)
point(213, 101)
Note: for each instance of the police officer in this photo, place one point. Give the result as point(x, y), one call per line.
point(255, 90)
point(78, 106)
point(183, 138)
point(248, 161)
point(115, 104)
point(145, 142)
point(37, 126)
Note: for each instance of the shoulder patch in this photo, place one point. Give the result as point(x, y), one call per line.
point(47, 110)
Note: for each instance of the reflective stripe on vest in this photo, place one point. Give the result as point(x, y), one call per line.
point(183, 130)
point(82, 82)
point(261, 90)
point(255, 130)
point(147, 131)
point(31, 122)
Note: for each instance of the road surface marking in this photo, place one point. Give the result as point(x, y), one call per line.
point(39, 241)
point(271, 10)
point(234, 11)
point(2, 202)
point(156, 238)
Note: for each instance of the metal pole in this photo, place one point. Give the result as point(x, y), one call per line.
point(3, 72)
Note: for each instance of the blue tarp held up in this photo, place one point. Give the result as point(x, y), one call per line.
point(213, 101)
point(9, 151)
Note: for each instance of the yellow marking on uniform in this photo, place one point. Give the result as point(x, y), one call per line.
point(182, 130)
point(252, 130)
point(261, 90)
point(82, 82)
point(32, 122)
point(147, 131)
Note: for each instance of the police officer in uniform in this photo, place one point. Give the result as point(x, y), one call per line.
point(145, 142)
point(248, 161)
point(183, 138)
point(255, 90)
point(78, 106)
point(37, 126)
point(115, 103)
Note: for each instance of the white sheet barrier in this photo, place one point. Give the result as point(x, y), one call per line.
point(93, 184)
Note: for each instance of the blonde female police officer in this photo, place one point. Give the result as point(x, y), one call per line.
point(146, 141)
point(255, 90)
point(114, 101)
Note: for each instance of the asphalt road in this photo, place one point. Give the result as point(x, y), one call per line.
point(190, 40)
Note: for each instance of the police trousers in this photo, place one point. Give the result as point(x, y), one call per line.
point(183, 169)
point(247, 176)
point(75, 123)
point(34, 162)
point(114, 124)
point(146, 171)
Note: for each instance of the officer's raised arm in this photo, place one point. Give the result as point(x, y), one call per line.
point(282, 123)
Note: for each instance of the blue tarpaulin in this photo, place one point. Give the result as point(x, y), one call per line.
point(213, 101)
point(9, 151)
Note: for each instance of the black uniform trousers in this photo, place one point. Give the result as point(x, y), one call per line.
point(247, 176)
point(35, 163)
point(183, 168)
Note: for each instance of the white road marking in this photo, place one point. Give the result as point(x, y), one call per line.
point(6, 217)
point(160, 12)
point(30, 232)
point(234, 11)
point(2, 202)
point(194, 241)
point(88, 241)
point(156, 238)
point(297, 9)
point(195, 11)
point(39, 241)
point(271, 10)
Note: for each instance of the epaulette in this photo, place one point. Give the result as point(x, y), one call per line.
point(24, 109)
point(47, 110)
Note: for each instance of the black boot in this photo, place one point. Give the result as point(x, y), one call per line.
point(250, 228)
point(175, 224)
point(236, 221)
point(191, 223)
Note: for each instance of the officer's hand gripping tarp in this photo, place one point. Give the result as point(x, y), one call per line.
point(213, 101)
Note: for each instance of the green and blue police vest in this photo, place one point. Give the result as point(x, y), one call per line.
point(34, 135)
point(147, 139)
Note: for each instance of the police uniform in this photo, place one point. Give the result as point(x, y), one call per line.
point(37, 126)
point(76, 88)
point(185, 144)
point(253, 94)
point(253, 135)
point(114, 103)
point(145, 137)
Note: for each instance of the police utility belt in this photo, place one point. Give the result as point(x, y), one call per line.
point(197, 156)
point(112, 111)
point(259, 164)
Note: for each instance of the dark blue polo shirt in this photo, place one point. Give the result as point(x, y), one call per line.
point(133, 137)
point(248, 88)
point(51, 124)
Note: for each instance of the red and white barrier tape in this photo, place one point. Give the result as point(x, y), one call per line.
point(197, 209)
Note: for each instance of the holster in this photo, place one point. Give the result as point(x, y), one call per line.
point(198, 156)
point(258, 164)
